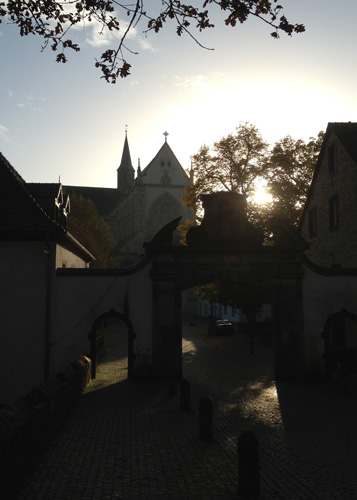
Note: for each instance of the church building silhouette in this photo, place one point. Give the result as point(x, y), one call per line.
point(141, 204)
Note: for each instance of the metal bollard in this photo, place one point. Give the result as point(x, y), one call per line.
point(248, 465)
point(205, 418)
point(185, 395)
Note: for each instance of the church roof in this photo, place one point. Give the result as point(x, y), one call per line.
point(165, 150)
point(125, 163)
point(105, 199)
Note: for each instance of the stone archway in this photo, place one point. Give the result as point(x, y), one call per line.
point(340, 341)
point(227, 247)
point(96, 340)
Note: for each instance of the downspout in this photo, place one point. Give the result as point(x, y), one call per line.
point(47, 308)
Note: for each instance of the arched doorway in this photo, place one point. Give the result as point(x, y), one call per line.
point(112, 337)
point(340, 340)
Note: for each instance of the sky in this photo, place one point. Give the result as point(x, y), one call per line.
point(62, 121)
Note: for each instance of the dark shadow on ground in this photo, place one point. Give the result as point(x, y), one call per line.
point(129, 439)
point(319, 425)
point(306, 428)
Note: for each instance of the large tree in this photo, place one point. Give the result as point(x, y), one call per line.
point(54, 20)
point(234, 163)
point(92, 231)
point(291, 167)
point(239, 162)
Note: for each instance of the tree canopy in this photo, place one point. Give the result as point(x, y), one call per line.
point(53, 21)
point(290, 170)
point(232, 164)
point(240, 161)
point(236, 163)
point(92, 231)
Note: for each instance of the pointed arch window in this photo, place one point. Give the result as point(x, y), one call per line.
point(166, 179)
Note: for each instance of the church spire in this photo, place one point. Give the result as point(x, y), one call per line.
point(125, 169)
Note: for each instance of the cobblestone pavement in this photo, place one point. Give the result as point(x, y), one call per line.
point(130, 440)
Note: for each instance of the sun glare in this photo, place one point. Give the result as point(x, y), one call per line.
point(262, 197)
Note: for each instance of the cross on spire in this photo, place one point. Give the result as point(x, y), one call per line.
point(165, 134)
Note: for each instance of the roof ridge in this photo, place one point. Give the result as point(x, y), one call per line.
point(21, 183)
point(11, 169)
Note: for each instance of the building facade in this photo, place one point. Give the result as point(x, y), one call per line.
point(329, 226)
point(329, 222)
point(34, 243)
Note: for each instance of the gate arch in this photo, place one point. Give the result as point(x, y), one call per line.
point(93, 341)
point(225, 247)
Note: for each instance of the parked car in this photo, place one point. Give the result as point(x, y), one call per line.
point(221, 327)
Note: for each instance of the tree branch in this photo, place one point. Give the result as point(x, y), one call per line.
point(37, 17)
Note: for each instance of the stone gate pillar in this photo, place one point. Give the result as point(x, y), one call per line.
point(288, 322)
point(167, 328)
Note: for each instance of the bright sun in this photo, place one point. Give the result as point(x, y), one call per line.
point(261, 196)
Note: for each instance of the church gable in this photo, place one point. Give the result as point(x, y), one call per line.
point(165, 169)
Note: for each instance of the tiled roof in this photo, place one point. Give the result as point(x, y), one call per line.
point(105, 199)
point(44, 189)
point(22, 217)
point(46, 195)
point(20, 214)
point(347, 134)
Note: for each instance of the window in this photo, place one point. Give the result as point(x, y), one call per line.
point(331, 159)
point(165, 179)
point(312, 222)
point(333, 212)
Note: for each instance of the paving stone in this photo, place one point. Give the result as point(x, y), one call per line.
point(129, 439)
